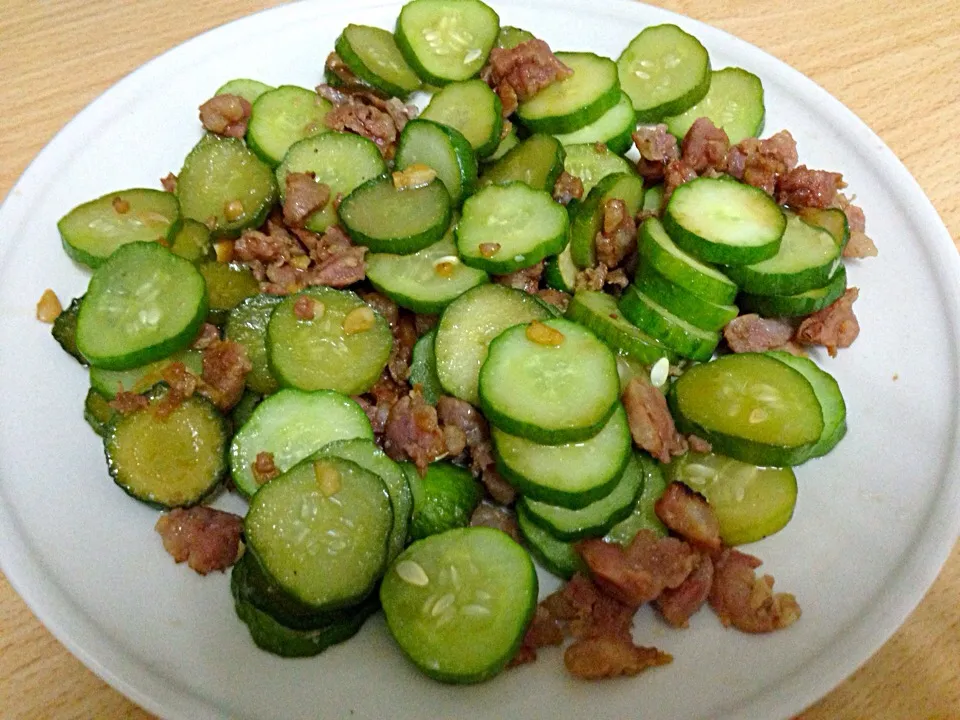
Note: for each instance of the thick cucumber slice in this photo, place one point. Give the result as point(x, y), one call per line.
point(696, 311)
point(243, 410)
point(143, 304)
point(391, 220)
point(446, 40)
point(557, 556)
point(443, 499)
point(140, 379)
point(508, 227)
point(572, 475)
point(344, 347)
point(591, 163)
point(246, 88)
point(596, 518)
point(750, 407)
point(724, 222)
point(798, 305)
point(552, 382)
point(64, 330)
point(426, 281)
point(225, 186)
point(828, 394)
point(614, 128)
point(586, 219)
point(560, 272)
point(173, 460)
point(598, 312)
point(342, 161)
point(423, 368)
point(281, 117)
point(658, 251)
point(192, 242)
point(644, 515)
point(664, 71)
point(292, 425)
point(507, 143)
point(442, 148)
point(247, 325)
point(509, 37)
point(373, 56)
point(458, 603)
point(575, 101)
point(472, 108)
point(807, 259)
point(228, 285)
point(92, 231)
point(734, 103)
point(676, 333)
point(750, 502)
point(537, 161)
point(98, 413)
point(468, 325)
point(320, 531)
point(833, 220)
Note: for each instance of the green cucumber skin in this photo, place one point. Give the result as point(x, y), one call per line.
point(556, 556)
point(738, 128)
point(423, 368)
point(683, 304)
point(64, 330)
point(515, 165)
point(796, 305)
point(463, 155)
point(693, 345)
point(491, 142)
point(586, 218)
point(345, 50)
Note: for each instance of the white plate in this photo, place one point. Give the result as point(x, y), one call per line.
point(874, 522)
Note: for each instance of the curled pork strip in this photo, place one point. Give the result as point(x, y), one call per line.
point(226, 115)
point(205, 538)
point(657, 148)
point(519, 73)
point(705, 146)
point(605, 657)
point(412, 431)
point(688, 514)
point(752, 333)
point(303, 197)
point(526, 279)
point(802, 187)
point(651, 424)
point(365, 113)
point(618, 234)
point(833, 327)
point(678, 605)
point(567, 187)
point(747, 602)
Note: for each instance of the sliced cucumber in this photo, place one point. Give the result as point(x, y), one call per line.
point(536, 161)
point(560, 272)
point(653, 199)
point(192, 242)
point(246, 88)
point(228, 285)
point(281, 117)
point(696, 311)
point(98, 413)
point(676, 333)
point(586, 219)
point(140, 379)
point(557, 556)
point(833, 220)
point(472, 108)
point(644, 514)
point(458, 603)
point(614, 128)
point(799, 305)
point(442, 148)
point(372, 54)
point(247, 325)
point(575, 101)
point(64, 330)
point(505, 145)
point(509, 37)
point(591, 163)
point(423, 368)
point(443, 499)
point(733, 103)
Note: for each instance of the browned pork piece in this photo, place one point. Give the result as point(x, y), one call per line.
point(519, 73)
point(752, 333)
point(688, 514)
point(567, 187)
point(651, 424)
point(226, 115)
point(365, 113)
point(747, 602)
point(207, 539)
point(833, 327)
point(303, 197)
point(657, 148)
point(412, 431)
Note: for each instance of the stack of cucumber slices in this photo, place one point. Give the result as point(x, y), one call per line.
point(336, 529)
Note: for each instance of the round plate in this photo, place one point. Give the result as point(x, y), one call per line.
point(874, 521)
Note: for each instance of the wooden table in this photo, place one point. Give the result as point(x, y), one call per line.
point(897, 65)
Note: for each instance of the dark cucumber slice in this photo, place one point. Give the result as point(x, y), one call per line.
point(246, 88)
point(281, 117)
point(575, 101)
point(556, 556)
point(64, 330)
point(750, 502)
point(734, 103)
point(344, 347)
point(247, 325)
point(98, 413)
point(292, 425)
point(572, 475)
point(586, 218)
point(472, 108)
point(442, 148)
point(750, 407)
point(614, 128)
point(446, 40)
point(170, 459)
point(664, 71)
point(675, 298)
point(508, 227)
point(724, 222)
point(373, 56)
point(140, 379)
point(320, 531)
point(591, 163)
point(458, 603)
point(192, 242)
point(443, 499)
point(550, 382)
point(833, 220)
point(92, 231)
point(388, 219)
point(798, 305)
point(228, 285)
point(143, 304)
point(225, 186)
point(423, 368)
point(644, 514)
point(536, 161)
point(682, 337)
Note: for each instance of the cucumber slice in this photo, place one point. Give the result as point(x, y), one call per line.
point(509, 37)
point(798, 305)
point(170, 461)
point(391, 220)
point(342, 161)
point(696, 311)
point(552, 382)
point(660, 253)
point(807, 259)
point(724, 222)
point(575, 101)
point(228, 285)
point(750, 407)
point(443, 499)
point(833, 220)
point(225, 186)
point(653, 199)
point(560, 272)
point(556, 556)
point(596, 518)
point(505, 145)
point(92, 231)
point(472, 108)
point(508, 227)
point(243, 410)
point(64, 330)
point(98, 413)
point(140, 379)
point(750, 502)
point(664, 71)
point(320, 531)
point(247, 325)
point(572, 475)
point(426, 281)
point(676, 333)
point(458, 603)
point(328, 352)
point(281, 117)
point(586, 218)
point(423, 368)
point(598, 312)
point(591, 163)
point(468, 325)
point(446, 40)
point(192, 242)
point(143, 304)
point(372, 54)
point(537, 161)
point(246, 88)
point(442, 148)
point(614, 128)
point(644, 514)
point(734, 103)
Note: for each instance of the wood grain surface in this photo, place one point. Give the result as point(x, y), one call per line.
point(895, 64)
